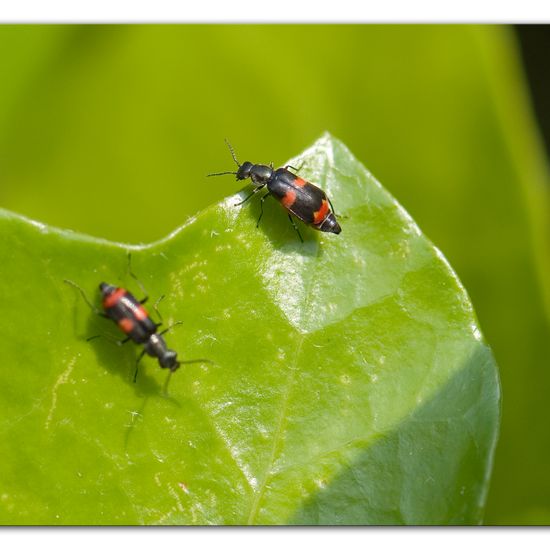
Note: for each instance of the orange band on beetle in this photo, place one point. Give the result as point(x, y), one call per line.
point(289, 199)
point(321, 214)
point(126, 324)
point(112, 299)
point(140, 313)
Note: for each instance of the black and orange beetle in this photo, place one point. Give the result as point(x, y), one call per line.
point(122, 307)
point(300, 197)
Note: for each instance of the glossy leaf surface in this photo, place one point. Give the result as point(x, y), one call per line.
point(349, 381)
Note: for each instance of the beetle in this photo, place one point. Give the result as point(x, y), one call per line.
point(122, 307)
point(301, 198)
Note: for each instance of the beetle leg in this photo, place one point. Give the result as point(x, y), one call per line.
point(332, 207)
point(262, 207)
point(155, 307)
point(295, 227)
point(137, 364)
point(170, 327)
point(256, 189)
point(140, 284)
point(109, 338)
point(293, 168)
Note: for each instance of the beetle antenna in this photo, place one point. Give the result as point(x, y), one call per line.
point(83, 294)
point(232, 151)
point(221, 174)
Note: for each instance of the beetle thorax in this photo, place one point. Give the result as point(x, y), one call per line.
point(155, 346)
point(260, 174)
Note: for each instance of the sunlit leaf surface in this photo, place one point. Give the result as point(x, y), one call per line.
point(349, 381)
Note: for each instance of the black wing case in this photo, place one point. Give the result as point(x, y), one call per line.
point(297, 195)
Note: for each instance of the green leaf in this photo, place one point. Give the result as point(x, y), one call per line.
point(94, 117)
point(349, 380)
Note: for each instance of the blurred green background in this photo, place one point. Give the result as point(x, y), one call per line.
point(110, 130)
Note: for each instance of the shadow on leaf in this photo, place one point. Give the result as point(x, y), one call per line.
point(410, 475)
